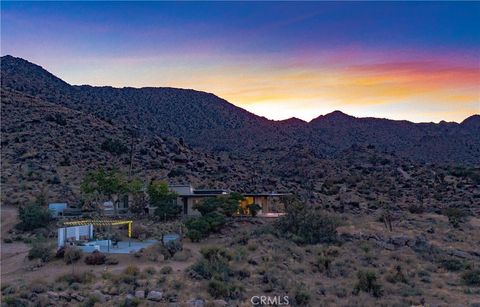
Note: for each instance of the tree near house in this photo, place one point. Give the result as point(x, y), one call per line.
point(231, 203)
point(135, 188)
point(213, 211)
point(164, 200)
point(102, 185)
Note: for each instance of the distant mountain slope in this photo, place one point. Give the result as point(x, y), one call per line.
point(51, 147)
point(209, 122)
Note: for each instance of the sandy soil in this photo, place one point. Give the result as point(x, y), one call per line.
point(12, 255)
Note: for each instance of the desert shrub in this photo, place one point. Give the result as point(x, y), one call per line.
point(215, 264)
point(416, 208)
point(323, 262)
point(111, 261)
point(197, 229)
point(72, 254)
point(201, 269)
point(455, 216)
point(166, 270)
point(139, 231)
point(172, 247)
point(13, 301)
point(132, 270)
point(240, 253)
point(215, 221)
point(471, 278)
point(91, 301)
point(452, 264)
point(114, 147)
point(367, 282)
point(307, 225)
point(95, 258)
point(150, 270)
point(57, 118)
point(33, 216)
point(183, 255)
point(397, 276)
point(218, 289)
point(38, 286)
point(77, 278)
point(302, 296)
point(60, 253)
point(42, 251)
point(194, 235)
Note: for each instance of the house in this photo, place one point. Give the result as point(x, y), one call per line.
point(270, 203)
point(57, 209)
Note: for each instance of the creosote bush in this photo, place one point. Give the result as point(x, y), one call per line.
point(307, 225)
point(455, 216)
point(42, 251)
point(166, 270)
point(95, 258)
point(214, 264)
point(72, 254)
point(221, 290)
point(367, 282)
point(472, 278)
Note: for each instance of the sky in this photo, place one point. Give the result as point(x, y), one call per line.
point(418, 61)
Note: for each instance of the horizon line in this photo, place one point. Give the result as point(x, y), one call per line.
point(240, 107)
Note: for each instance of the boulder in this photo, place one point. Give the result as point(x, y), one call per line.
point(155, 296)
point(53, 295)
point(400, 240)
point(77, 297)
point(99, 296)
point(140, 294)
point(196, 303)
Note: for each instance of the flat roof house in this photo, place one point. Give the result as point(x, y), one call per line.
point(270, 203)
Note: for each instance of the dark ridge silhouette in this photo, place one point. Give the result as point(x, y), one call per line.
point(208, 122)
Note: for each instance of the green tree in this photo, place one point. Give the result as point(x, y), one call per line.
point(104, 182)
point(164, 200)
point(33, 216)
point(198, 228)
point(228, 205)
point(135, 188)
point(208, 205)
point(231, 203)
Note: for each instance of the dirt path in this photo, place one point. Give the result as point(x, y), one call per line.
point(8, 219)
point(12, 255)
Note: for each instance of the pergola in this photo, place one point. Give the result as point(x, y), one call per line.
point(102, 222)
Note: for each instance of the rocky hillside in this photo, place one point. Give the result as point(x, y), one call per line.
point(50, 147)
point(206, 121)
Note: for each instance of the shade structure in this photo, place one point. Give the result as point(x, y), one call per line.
point(101, 222)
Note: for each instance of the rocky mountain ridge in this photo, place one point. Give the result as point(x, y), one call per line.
point(210, 123)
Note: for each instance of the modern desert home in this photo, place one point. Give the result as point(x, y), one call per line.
point(270, 203)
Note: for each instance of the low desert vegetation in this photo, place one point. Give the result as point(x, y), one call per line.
point(34, 215)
